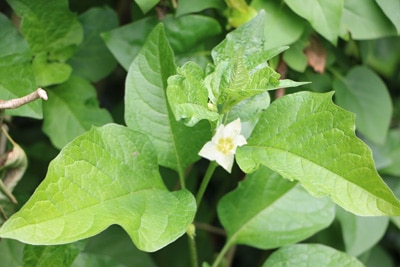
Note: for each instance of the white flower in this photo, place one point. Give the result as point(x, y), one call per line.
point(222, 146)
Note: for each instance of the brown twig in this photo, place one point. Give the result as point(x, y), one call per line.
point(17, 102)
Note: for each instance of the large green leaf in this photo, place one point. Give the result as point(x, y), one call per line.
point(391, 149)
point(363, 19)
point(52, 36)
point(71, 110)
point(108, 175)
point(392, 9)
point(324, 15)
point(361, 233)
point(365, 94)
point(62, 255)
point(267, 211)
point(16, 75)
point(305, 137)
point(92, 60)
point(125, 42)
point(310, 255)
point(147, 110)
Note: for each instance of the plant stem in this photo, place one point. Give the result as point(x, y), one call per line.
point(221, 254)
point(182, 179)
point(192, 250)
point(17, 102)
point(205, 181)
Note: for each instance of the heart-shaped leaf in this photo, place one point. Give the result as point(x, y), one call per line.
point(108, 175)
point(305, 137)
point(280, 212)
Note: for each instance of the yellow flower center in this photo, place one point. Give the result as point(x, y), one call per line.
point(225, 145)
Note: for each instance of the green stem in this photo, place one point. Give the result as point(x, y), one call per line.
point(182, 179)
point(221, 254)
point(193, 251)
point(206, 180)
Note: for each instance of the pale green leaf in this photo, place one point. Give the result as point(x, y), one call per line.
point(310, 255)
point(92, 60)
point(146, 5)
point(323, 15)
point(194, 6)
point(280, 212)
point(147, 110)
point(62, 255)
point(72, 109)
point(16, 75)
point(282, 26)
point(361, 233)
point(108, 175)
point(305, 137)
point(365, 94)
point(363, 19)
point(391, 8)
point(187, 95)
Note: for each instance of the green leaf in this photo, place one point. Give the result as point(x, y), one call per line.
point(63, 255)
point(92, 60)
point(282, 26)
point(52, 36)
point(389, 153)
point(238, 12)
point(280, 213)
point(363, 19)
point(309, 255)
point(71, 110)
point(115, 244)
point(187, 95)
point(361, 233)
point(248, 43)
point(85, 260)
point(146, 5)
point(365, 94)
point(11, 252)
point(147, 110)
point(391, 8)
point(16, 75)
point(194, 6)
point(323, 15)
point(99, 180)
point(305, 137)
point(381, 55)
point(125, 42)
point(249, 111)
point(49, 73)
point(49, 32)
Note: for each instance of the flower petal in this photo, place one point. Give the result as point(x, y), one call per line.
point(240, 140)
point(209, 151)
point(233, 129)
point(225, 161)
